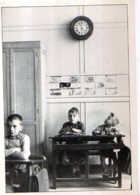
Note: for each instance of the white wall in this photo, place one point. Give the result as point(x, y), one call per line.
point(105, 52)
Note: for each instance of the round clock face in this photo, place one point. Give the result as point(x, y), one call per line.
point(81, 27)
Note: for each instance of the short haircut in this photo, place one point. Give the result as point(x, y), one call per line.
point(14, 116)
point(74, 109)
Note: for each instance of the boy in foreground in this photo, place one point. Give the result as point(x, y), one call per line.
point(17, 146)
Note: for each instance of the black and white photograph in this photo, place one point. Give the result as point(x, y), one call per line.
point(69, 97)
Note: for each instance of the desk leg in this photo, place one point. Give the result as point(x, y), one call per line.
point(54, 169)
point(86, 165)
point(119, 172)
point(28, 173)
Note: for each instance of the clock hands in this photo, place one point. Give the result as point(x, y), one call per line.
point(81, 27)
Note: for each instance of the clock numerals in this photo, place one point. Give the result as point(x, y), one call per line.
point(81, 28)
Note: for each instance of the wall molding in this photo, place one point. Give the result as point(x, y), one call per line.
point(88, 100)
point(48, 27)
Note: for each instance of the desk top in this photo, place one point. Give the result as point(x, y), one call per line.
point(86, 137)
point(32, 160)
point(18, 161)
point(104, 142)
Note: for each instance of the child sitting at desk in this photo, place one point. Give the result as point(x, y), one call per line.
point(108, 129)
point(17, 145)
point(73, 127)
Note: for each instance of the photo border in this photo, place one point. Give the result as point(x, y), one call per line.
point(132, 75)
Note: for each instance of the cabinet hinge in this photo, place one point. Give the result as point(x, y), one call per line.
point(36, 53)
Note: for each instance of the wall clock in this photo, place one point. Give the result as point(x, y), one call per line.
point(81, 27)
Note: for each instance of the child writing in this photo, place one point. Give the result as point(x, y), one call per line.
point(74, 127)
point(108, 128)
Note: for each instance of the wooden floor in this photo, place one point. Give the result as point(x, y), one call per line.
point(63, 186)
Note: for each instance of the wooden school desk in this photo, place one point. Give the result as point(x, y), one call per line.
point(33, 160)
point(89, 143)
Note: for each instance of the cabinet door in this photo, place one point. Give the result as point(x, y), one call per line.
point(6, 79)
point(24, 95)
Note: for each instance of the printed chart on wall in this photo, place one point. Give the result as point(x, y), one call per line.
point(69, 97)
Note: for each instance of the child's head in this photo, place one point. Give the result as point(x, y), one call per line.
point(111, 120)
point(14, 124)
point(73, 115)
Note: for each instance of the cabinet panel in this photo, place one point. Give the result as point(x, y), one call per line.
point(31, 131)
point(22, 87)
point(24, 83)
point(6, 79)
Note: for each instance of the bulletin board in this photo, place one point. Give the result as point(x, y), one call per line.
point(88, 85)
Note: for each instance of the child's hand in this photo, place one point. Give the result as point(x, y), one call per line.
point(16, 150)
point(111, 133)
point(78, 131)
point(116, 131)
point(97, 132)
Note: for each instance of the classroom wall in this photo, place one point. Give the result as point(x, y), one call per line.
point(105, 52)
point(97, 68)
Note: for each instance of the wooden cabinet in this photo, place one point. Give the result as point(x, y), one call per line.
point(24, 78)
